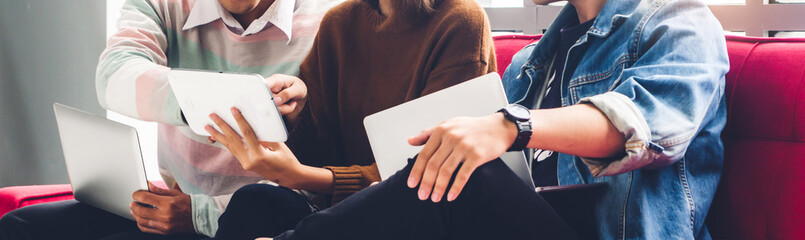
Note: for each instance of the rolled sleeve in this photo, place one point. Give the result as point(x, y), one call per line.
point(663, 99)
point(206, 211)
point(629, 121)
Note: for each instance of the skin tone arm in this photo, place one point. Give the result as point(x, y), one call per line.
point(273, 161)
point(580, 130)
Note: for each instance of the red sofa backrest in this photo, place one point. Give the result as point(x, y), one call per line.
point(762, 192)
point(506, 46)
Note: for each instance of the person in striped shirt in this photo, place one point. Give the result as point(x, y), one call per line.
point(257, 36)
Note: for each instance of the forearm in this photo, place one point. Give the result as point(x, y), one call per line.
point(314, 179)
point(131, 77)
point(580, 130)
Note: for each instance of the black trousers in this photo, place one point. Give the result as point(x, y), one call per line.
point(262, 210)
point(494, 204)
point(72, 220)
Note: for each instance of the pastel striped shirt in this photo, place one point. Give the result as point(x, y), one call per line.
point(132, 80)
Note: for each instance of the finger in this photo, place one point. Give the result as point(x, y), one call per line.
point(432, 170)
point(277, 82)
point(145, 225)
point(245, 129)
point(144, 197)
point(232, 138)
point(147, 229)
point(215, 135)
point(210, 139)
point(446, 173)
point(421, 138)
point(146, 213)
point(461, 180)
point(159, 190)
point(292, 92)
point(422, 160)
point(287, 108)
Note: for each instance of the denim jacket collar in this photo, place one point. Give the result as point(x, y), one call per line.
point(611, 16)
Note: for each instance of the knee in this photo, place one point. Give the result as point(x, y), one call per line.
point(491, 173)
point(10, 219)
point(9, 223)
point(493, 177)
point(249, 200)
point(262, 194)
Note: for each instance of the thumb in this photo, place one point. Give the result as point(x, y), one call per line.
point(275, 83)
point(421, 138)
point(273, 146)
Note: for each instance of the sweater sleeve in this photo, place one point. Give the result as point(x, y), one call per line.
point(131, 77)
point(351, 179)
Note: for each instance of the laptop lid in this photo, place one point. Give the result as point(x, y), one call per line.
point(389, 130)
point(103, 159)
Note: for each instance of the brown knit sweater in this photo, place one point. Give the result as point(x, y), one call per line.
point(362, 63)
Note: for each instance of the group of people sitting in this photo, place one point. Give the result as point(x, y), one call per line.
point(624, 92)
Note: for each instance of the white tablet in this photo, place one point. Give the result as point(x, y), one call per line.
point(200, 93)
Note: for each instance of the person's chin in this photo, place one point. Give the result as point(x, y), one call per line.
point(239, 11)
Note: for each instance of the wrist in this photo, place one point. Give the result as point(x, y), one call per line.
point(509, 129)
point(294, 176)
point(520, 117)
point(309, 178)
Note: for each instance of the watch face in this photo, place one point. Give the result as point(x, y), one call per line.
point(519, 112)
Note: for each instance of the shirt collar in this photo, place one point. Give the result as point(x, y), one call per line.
point(280, 14)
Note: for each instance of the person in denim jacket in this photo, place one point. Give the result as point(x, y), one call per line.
point(656, 70)
point(640, 106)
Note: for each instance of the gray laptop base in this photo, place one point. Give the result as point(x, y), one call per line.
point(388, 130)
point(103, 158)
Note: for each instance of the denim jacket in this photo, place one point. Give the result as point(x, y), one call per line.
point(656, 69)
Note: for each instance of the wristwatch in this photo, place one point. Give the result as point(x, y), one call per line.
point(521, 117)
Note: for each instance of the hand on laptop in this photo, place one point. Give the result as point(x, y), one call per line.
point(170, 214)
point(471, 141)
point(290, 94)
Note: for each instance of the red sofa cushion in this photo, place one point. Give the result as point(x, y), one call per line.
point(762, 190)
point(20, 196)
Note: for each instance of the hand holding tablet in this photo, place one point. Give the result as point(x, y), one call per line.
point(200, 93)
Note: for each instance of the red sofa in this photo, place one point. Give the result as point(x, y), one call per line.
point(762, 191)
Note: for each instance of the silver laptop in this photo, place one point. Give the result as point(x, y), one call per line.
point(103, 159)
point(388, 130)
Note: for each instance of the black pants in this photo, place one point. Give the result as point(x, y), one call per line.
point(262, 210)
point(71, 220)
point(495, 204)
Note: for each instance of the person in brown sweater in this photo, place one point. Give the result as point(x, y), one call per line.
point(369, 55)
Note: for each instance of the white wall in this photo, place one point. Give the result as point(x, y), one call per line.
point(48, 53)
